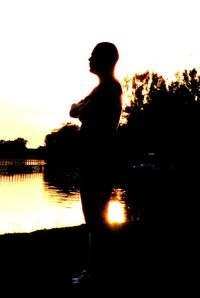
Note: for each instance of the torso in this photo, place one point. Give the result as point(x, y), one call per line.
point(100, 117)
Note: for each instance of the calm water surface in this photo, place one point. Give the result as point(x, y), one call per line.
point(29, 203)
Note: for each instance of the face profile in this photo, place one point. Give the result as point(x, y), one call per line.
point(103, 58)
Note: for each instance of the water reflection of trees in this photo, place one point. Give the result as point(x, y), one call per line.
point(63, 178)
point(20, 166)
point(18, 177)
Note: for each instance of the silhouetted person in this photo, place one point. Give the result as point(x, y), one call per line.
point(99, 113)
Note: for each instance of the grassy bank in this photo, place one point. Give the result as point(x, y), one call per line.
point(47, 260)
point(42, 263)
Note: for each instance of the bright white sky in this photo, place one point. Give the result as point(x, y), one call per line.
point(45, 46)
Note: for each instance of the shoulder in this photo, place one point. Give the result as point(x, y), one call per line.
point(116, 87)
point(113, 86)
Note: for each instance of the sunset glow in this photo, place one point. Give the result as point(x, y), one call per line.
point(45, 46)
point(116, 208)
point(116, 212)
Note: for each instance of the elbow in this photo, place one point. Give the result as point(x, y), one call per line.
point(73, 111)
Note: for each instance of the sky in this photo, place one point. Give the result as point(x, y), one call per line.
point(45, 46)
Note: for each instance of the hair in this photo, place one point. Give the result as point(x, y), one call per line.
point(106, 52)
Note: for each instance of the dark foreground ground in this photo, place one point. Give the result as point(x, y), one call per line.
point(141, 263)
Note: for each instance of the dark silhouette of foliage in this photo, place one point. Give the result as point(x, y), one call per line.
point(62, 146)
point(162, 118)
point(16, 148)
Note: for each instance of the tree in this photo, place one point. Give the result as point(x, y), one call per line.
point(161, 117)
point(62, 145)
point(14, 149)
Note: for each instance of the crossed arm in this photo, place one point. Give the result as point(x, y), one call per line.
point(76, 108)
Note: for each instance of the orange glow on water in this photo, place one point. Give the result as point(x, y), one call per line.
point(29, 203)
point(116, 207)
point(116, 212)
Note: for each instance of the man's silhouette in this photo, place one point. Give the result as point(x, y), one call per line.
point(99, 114)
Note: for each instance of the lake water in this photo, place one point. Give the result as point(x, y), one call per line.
point(29, 202)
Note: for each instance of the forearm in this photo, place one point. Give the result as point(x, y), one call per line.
point(76, 107)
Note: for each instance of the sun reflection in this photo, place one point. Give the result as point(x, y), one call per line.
point(116, 208)
point(116, 212)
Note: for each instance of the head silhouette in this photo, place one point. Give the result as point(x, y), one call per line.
point(103, 59)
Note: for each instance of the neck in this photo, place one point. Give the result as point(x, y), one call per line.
point(105, 77)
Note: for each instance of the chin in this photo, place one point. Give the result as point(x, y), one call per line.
point(92, 71)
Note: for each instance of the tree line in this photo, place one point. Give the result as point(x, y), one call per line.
point(17, 149)
point(161, 117)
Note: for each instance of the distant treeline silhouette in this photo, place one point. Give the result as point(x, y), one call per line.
point(17, 149)
point(162, 118)
point(62, 146)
